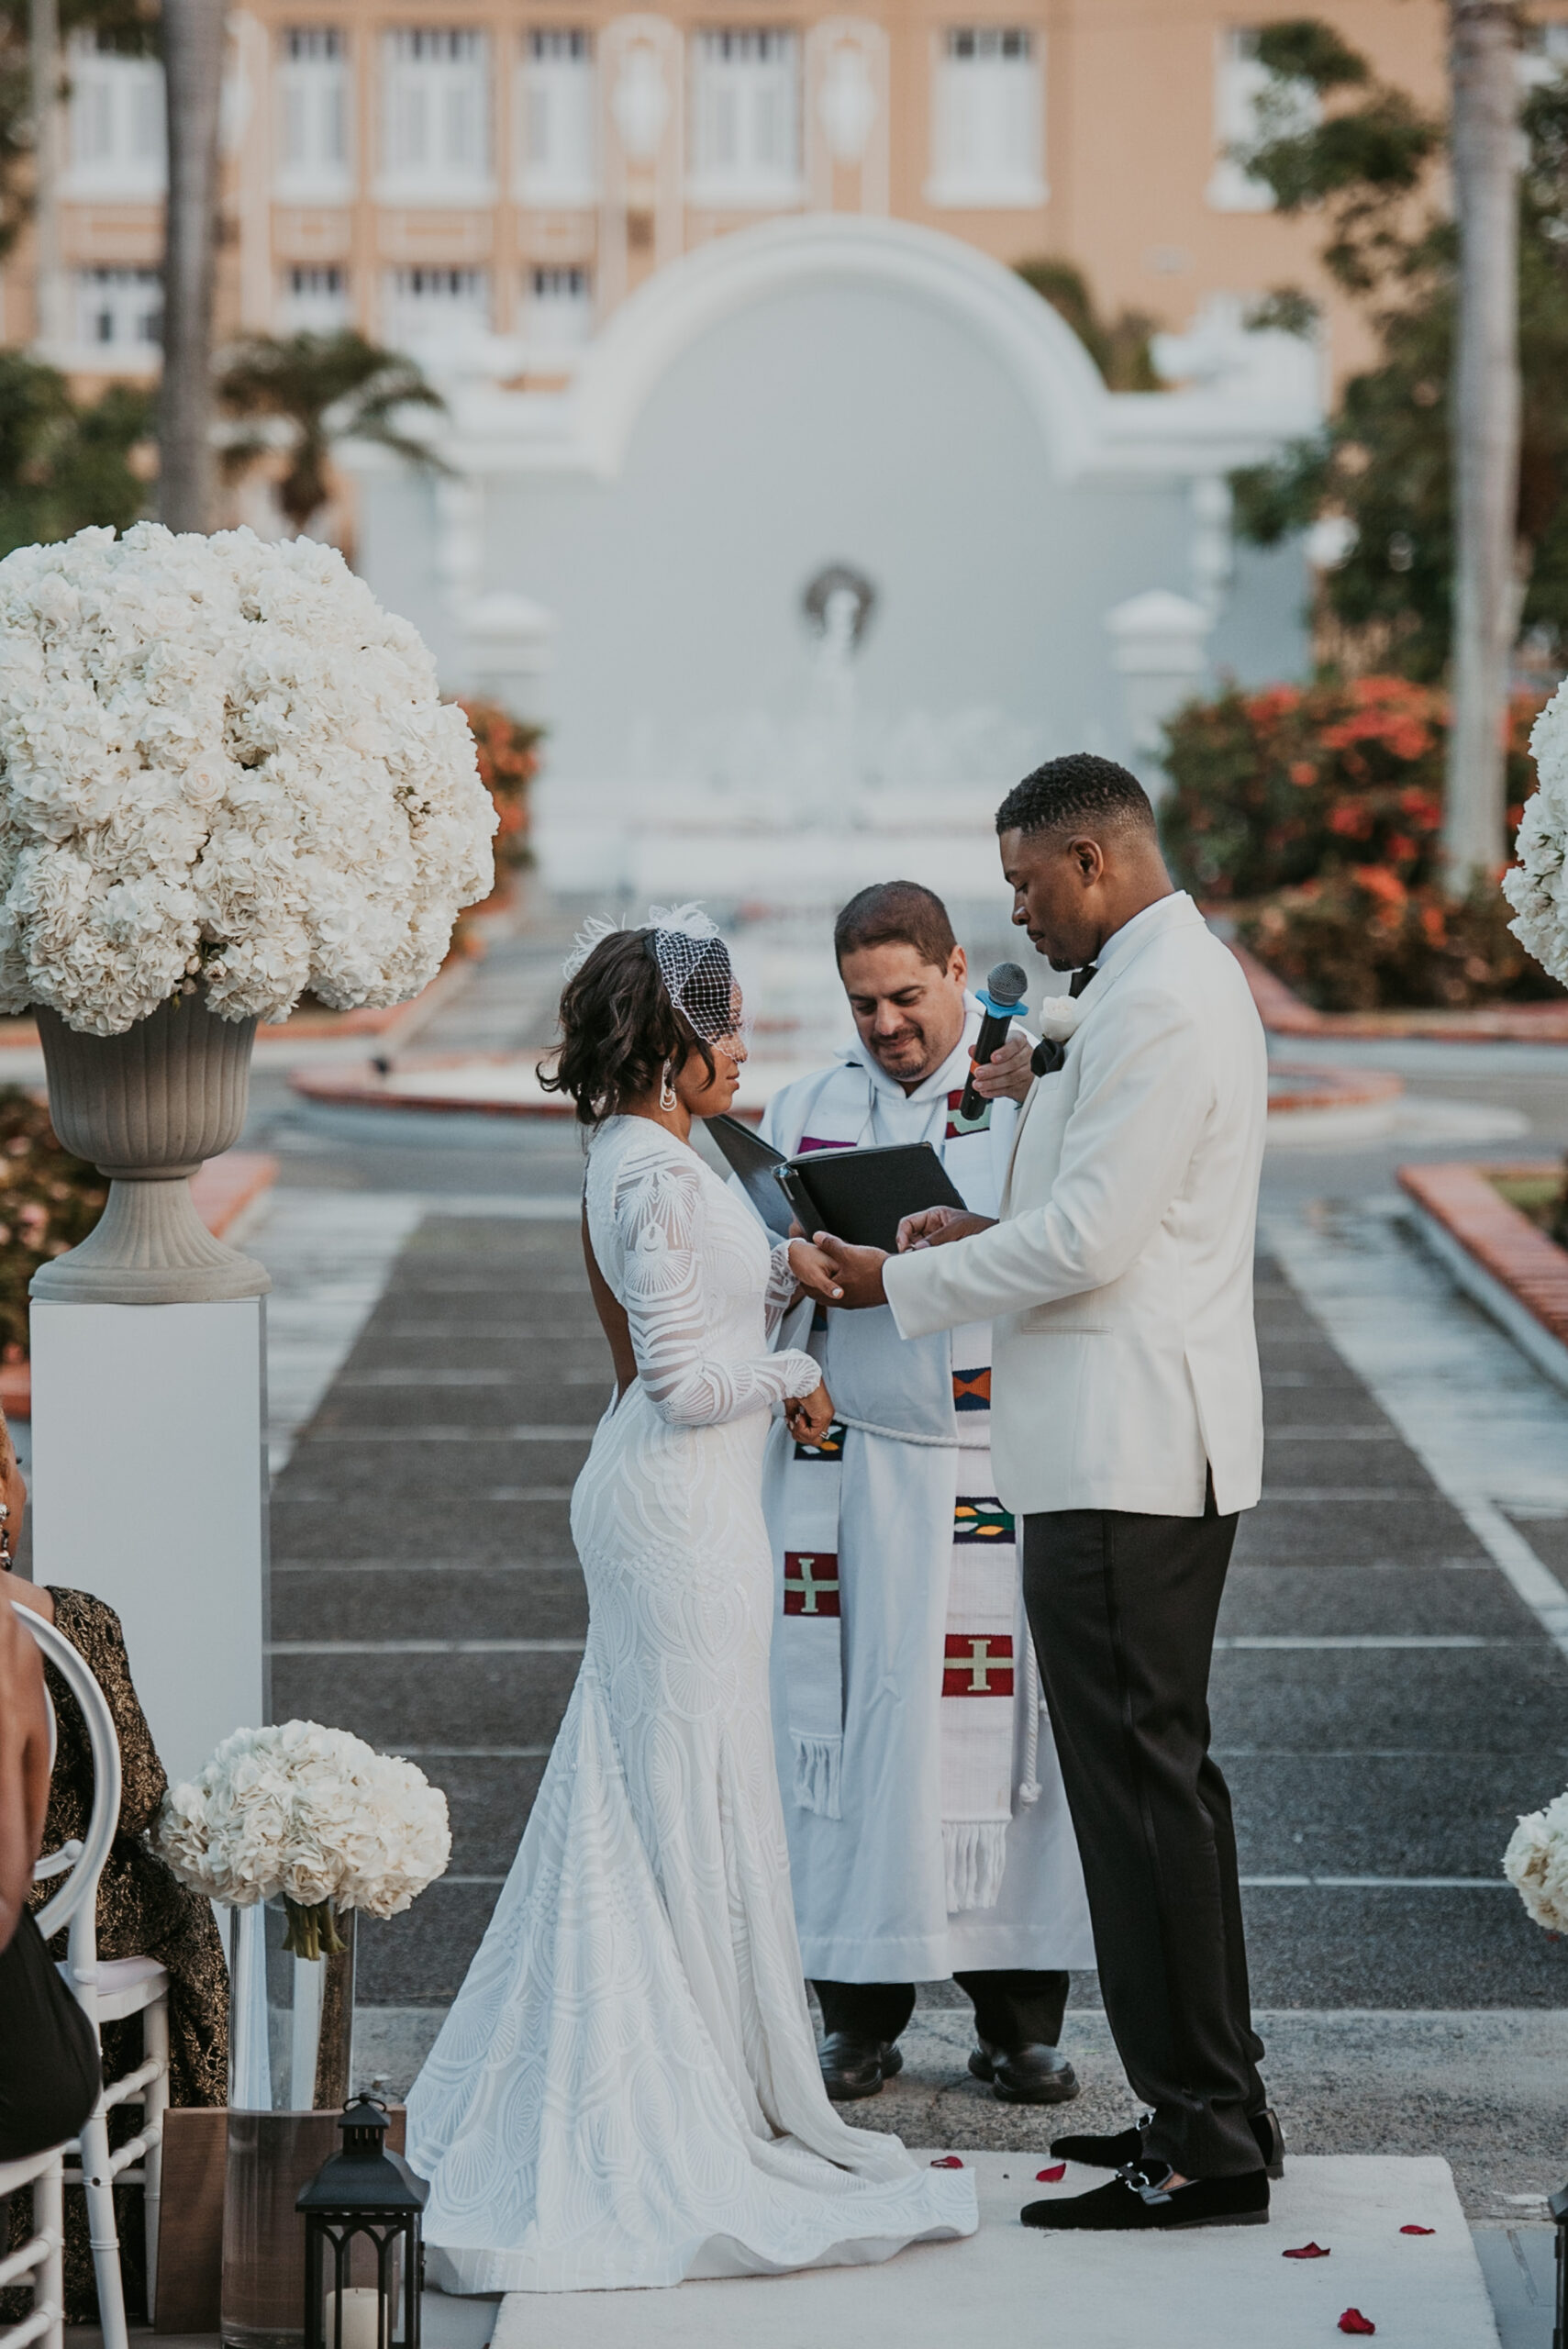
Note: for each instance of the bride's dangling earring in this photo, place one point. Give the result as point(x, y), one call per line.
point(667, 1096)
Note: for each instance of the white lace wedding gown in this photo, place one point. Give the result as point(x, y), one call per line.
point(627, 2092)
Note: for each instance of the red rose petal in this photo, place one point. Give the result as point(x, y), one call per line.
point(947, 2161)
point(1354, 2321)
point(1050, 2177)
point(1307, 2251)
point(1418, 2230)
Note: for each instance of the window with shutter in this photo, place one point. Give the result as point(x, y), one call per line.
point(435, 307)
point(313, 114)
point(120, 311)
point(557, 164)
point(115, 131)
point(436, 96)
point(745, 118)
point(987, 119)
point(1241, 82)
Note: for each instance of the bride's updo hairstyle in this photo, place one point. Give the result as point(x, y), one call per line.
point(619, 1025)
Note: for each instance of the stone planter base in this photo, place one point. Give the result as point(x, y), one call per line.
point(148, 1107)
point(150, 1247)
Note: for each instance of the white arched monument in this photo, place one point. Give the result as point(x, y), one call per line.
point(816, 391)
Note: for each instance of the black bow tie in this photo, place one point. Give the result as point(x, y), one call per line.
point(1080, 979)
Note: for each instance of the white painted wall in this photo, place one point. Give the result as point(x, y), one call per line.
point(883, 397)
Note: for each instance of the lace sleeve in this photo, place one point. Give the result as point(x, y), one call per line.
point(781, 1288)
point(659, 1214)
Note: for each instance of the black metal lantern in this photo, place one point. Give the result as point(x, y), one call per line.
point(363, 2251)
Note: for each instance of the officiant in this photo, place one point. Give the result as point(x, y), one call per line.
point(929, 1833)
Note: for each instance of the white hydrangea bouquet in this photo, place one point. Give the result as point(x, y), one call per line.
point(1537, 887)
point(313, 1815)
point(224, 768)
point(1536, 1863)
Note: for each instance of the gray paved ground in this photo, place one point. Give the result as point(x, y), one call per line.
point(426, 1505)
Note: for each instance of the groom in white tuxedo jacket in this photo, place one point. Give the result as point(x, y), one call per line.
point(1128, 1434)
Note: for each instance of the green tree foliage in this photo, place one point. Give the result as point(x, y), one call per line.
point(320, 388)
point(1383, 460)
point(1118, 346)
point(64, 466)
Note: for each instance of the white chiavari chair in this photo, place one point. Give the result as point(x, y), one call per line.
point(108, 1991)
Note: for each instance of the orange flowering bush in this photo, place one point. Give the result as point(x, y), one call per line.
point(509, 761)
point(1274, 788)
point(1362, 940)
point(49, 1200)
point(1316, 811)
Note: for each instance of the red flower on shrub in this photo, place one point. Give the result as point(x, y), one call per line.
point(1378, 881)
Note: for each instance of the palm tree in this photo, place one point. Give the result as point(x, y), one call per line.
point(193, 60)
point(324, 388)
point(1485, 154)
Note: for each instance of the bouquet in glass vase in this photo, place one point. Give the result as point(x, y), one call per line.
point(299, 1827)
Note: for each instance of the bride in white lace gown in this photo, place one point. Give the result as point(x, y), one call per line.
point(627, 2092)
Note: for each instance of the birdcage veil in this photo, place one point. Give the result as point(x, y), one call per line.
point(693, 962)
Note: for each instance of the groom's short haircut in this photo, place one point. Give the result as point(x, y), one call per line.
point(895, 913)
point(1077, 789)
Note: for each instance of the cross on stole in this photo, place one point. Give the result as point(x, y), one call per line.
point(807, 1591)
point(977, 1664)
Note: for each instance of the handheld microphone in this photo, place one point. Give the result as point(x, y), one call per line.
point(1001, 996)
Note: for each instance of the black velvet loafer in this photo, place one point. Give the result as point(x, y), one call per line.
point(1127, 2145)
point(854, 2067)
point(1134, 2204)
point(1032, 2074)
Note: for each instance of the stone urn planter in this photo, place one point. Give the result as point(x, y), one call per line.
point(147, 1108)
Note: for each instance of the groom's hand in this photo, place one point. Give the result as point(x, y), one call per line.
point(934, 1227)
point(854, 1274)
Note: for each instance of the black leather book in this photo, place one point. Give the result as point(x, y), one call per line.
point(861, 1196)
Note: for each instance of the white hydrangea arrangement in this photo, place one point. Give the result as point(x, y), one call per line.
point(223, 768)
point(1537, 887)
point(313, 1814)
point(1536, 1863)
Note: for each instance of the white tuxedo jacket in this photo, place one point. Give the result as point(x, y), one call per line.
point(1120, 1280)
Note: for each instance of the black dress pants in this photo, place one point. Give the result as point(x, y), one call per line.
point(1122, 1608)
point(1012, 2009)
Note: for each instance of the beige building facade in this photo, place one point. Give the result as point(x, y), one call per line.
point(495, 180)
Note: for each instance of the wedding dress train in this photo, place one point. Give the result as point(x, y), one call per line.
point(626, 2091)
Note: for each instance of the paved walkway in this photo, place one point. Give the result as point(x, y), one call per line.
point(1391, 1695)
point(1385, 1700)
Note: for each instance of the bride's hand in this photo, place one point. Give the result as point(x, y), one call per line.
point(814, 1271)
point(810, 1417)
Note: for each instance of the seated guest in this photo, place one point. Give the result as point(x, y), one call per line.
point(49, 2066)
point(143, 1909)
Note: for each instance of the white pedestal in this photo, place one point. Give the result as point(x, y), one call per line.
point(150, 1489)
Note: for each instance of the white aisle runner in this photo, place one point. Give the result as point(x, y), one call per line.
point(1011, 2288)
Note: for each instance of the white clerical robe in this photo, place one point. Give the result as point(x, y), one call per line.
point(915, 1851)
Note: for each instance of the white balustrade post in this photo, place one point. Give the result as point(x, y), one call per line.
point(1159, 649)
point(150, 1482)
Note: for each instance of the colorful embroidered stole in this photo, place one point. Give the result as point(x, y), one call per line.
point(980, 1674)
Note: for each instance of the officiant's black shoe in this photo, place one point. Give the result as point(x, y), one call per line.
point(1136, 2203)
point(854, 2067)
point(1034, 2074)
point(1127, 2145)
